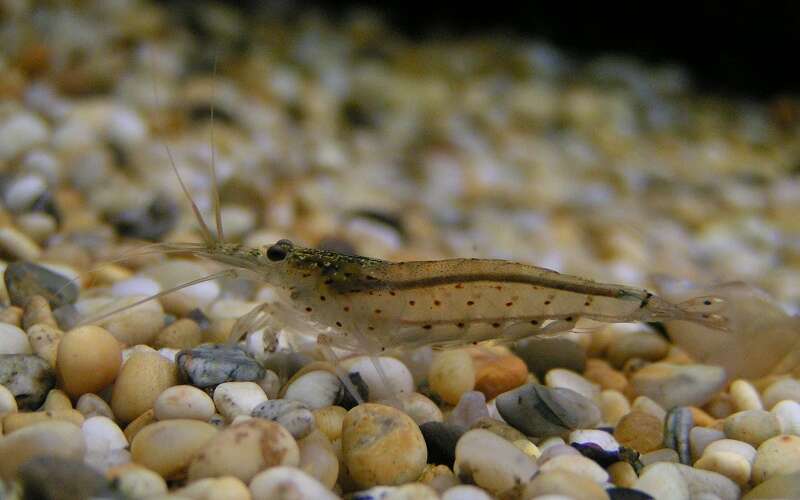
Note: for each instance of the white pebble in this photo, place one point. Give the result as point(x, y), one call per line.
point(92, 405)
point(601, 438)
point(465, 492)
point(491, 462)
point(101, 435)
point(287, 483)
point(567, 379)
point(660, 455)
point(238, 398)
point(741, 448)
point(23, 191)
point(317, 389)
point(788, 413)
point(13, 340)
point(576, 464)
point(184, 401)
point(398, 375)
point(784, 389)
point(20, 132)
point(137, 285)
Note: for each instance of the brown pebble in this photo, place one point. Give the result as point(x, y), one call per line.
point(143, 377)
point(37, 311)
point(701, 418)
point(16, 421)
point(182, 334)
point(88, 360)
point(641, 431)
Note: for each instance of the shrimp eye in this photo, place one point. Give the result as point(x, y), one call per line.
point(276, 252)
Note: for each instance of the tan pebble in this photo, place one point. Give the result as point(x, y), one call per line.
point(576, 464)
point(778, 455)
point(8, 403)
point(720, 406)
point(614, 405)
point(110, 273)
point(182, 334)
point(56, 400)
point(741, 448)
point(44, 341)
point(234, 399)
point(622, 474)
point(88, 360)
point(602, 374)
point(91, 405)
point(647, 405)
point(53, 438)
point(11, 314)
point(452, 373)
point(18, 245)
point(137, 325)
point(382, 446)
point(752, 426)
point(168, 447)
point(15, 421)
point(641, 431)
point(37, 311)
point(663, 480)
point(646, 345)
point(318, 459)
point(138, 424)
point(143, 377)
point(745, 396)
point(781, 390)
point(677, 356)
point(243, 450)
point(496, 374)
point(417, 406)
point(219, 331)
point(438, 477)
point(227, 488)
point(701, 418)
point(561, 482)
point(502, 429)
point(329, 420)
point(136, 481)
point(731, 465)
point(183, 401)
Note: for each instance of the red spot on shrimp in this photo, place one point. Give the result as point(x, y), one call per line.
point(470, 303)
point(509, 304)
point(437, 303)
point(411, 303)
point(308, 309)
point(427, 327)
point(378, 311)
point(496, 325)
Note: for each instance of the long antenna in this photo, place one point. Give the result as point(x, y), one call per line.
point(214, 182)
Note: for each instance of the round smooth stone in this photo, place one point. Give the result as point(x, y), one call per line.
point(294, 416)
point(168, 447)
point(741, 448)
point(777, 487)
point(211, 365)
point(491, 462)
point(318, 459)
point(452, 373)
point(556, 450)
point(419, 407)
point(781, 390)
point(136, 481)
point(52, 438)
point(329, 420)
point(778, 455)
point(245, 449)
point(543, 354)
point(660, 455)
point(500, 428)
point(229, 488)
point(614, 405)
point(745, 396)
point(316, 389)
point(102, 434)
point(19, 420)
point(672, 385)
point(399, 377)
point(566, 379)
point(703, 482)
point(13, 340)
point(622, 474)
point(731, 465)
point(641, 431)
point(752, 426)
point(182, 334)
point(59, 477)
point(134, 326)
point(142, 379)
point(184, 401)
point(645, 345)
point(238, 398)
point(382, 446)
point(89, 359)
point(138, 424)
point(29, 378)
point(285, 483)
point(541, 411)
point(788, 413)
point(576, 464)
point(563, 484)
point(498, 373)
point(44, 341)
point(91, 405)
point(470, 408)
point(662, 480)
point(602, 439)
point(56, 400)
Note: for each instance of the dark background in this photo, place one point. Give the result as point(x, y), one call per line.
point(747, 48)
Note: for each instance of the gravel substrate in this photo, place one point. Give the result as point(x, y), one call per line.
point(351, 138)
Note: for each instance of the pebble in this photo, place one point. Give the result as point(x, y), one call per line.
point(752, 426)
point(182, 334)
point(565, 379)
point(702, 482)
point(102, 434)
point(563, 484)
point(316, 389)
point(600, 438)
point(329, 420)
point(419, 407)
point(134, 326)
point(29, 378)
point(184, 401)
point(136, 285)
point(702, 418)
point(701, 437)
point(556, 450)
point(397, 375)
point(781, 486)
point(382, 446)
point(502, 429)
point(89, 360)
point(452, 373)
point(318, 459)
point(245, 449)
point(627, 494)
point(288, 483)
point(780, 390)
point(211, 365)
point(672, 385)
point(543, 354)
point(56, 400)
point(21, 131)
point(778, 455)
point(149, 222)
point(142, 379)
point(439, 477)
point(440, 440)
point(49, 477)
point(622, 474)
point(238, 398)
point(169, 447)
point(24, 280)
point(498, 373)
point(491, 462)
point(677, 425)
point(228, 488)
point(465, 492)
point(15, 421)
point(11, 315)
point(663, 480)
point(294, 416)
point(91, 405)
point(138, 424)
point(641, 431)
point(540, 411)
point(613, 405)
point(20, 247)
point(7, 402)
point(44, 340)
point(13, 340)
point(745, 396)
point(173, 272)
point(646, 345)
point(52, 438)
point(660, 455)
point(136, 481)
point(731, 465)
point(788, 413)
point(602, 374)
point(37, 312)
point(576, 464)
point(732, 446)
point(470, 408)
point(647, 405)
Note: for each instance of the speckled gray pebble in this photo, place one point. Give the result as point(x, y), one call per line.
point(63, 479)
point(677, 426)
point(211, 365)
point(470, 408)
point(543, 354)
point(24, 280)
point(28, 377)
point(294, 416)
point(541, 411)
point(441, 439)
